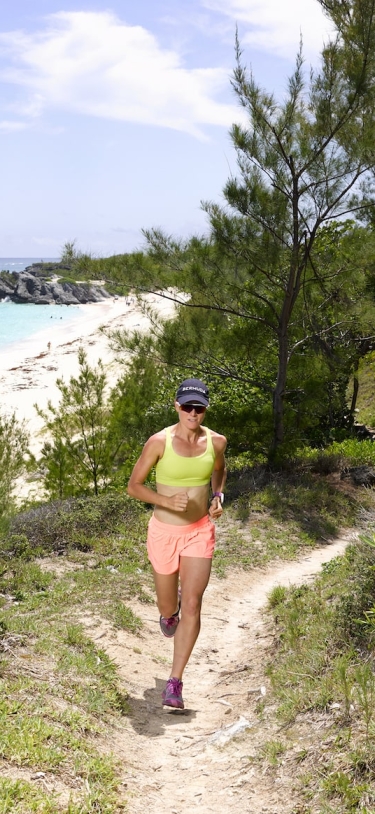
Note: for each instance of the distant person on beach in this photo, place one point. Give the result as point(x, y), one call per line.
point(188, 457)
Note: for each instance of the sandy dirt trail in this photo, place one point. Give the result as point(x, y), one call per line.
point(178, 763)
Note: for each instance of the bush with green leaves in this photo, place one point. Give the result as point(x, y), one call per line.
point(73, 523)
point(337, 455)
point(13, 449)
point(79, 458)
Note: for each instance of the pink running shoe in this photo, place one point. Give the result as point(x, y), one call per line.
point(168, 626)
point(172, 695)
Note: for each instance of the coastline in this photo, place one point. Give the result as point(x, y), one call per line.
point(29, 369)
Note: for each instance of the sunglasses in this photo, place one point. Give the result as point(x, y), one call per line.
point(188, 408)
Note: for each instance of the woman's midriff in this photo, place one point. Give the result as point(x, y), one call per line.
point(197, 506)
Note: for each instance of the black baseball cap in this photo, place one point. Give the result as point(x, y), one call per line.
point(193, 391)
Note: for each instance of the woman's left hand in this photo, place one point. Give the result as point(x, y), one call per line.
point(215, 510)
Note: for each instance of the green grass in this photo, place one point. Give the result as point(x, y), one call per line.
point(324, 665)
point(263, 543)
point(65, 562)
point(272, 751)
point(58, 694)
point(20, 797)
point(123, 617)
point(280, 518)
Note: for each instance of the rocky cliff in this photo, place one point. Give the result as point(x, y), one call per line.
point(42, 287)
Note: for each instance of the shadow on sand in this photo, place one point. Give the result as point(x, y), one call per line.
point(148, 716)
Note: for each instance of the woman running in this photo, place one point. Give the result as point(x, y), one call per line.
point(188, 457)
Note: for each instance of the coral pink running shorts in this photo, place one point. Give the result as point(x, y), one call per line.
point(167, 543)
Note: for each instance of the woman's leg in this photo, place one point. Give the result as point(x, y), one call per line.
point(194, 576)
point(166, 586)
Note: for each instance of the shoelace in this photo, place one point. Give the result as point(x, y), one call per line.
point(174, 685)
point(171, 622)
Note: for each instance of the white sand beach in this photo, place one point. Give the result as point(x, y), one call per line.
point(29, 369)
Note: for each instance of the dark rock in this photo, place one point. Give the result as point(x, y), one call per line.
point(364, 432)
point(31, 286)
point(46, 269)
point(360, 475)
point(6, 289)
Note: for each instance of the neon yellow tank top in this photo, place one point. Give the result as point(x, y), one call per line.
point(176, 470)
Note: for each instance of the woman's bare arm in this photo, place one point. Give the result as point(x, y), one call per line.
point(219, 475)
point(152, 451)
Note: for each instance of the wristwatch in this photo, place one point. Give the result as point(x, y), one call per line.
point(220, 495)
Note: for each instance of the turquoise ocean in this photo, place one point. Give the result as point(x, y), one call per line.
point(18, 322)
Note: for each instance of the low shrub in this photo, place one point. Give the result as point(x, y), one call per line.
point(74, 522)
point(339, 454)
point(353, 612)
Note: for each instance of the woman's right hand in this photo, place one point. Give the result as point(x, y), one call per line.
point(178, 502)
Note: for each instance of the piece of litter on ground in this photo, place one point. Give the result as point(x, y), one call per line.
point(225, 703)
point(222, 736)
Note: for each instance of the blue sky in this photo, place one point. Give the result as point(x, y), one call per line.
point(114, 116)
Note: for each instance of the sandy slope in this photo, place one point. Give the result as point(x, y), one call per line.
point(178, 763)
point(29, 369)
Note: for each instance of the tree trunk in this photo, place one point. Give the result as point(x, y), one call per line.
point(279, 392)
point(291, 293)
point(355, 388)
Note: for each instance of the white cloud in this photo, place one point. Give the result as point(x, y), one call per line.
point(94, 64)
point(275, 25)
point(7, 126)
